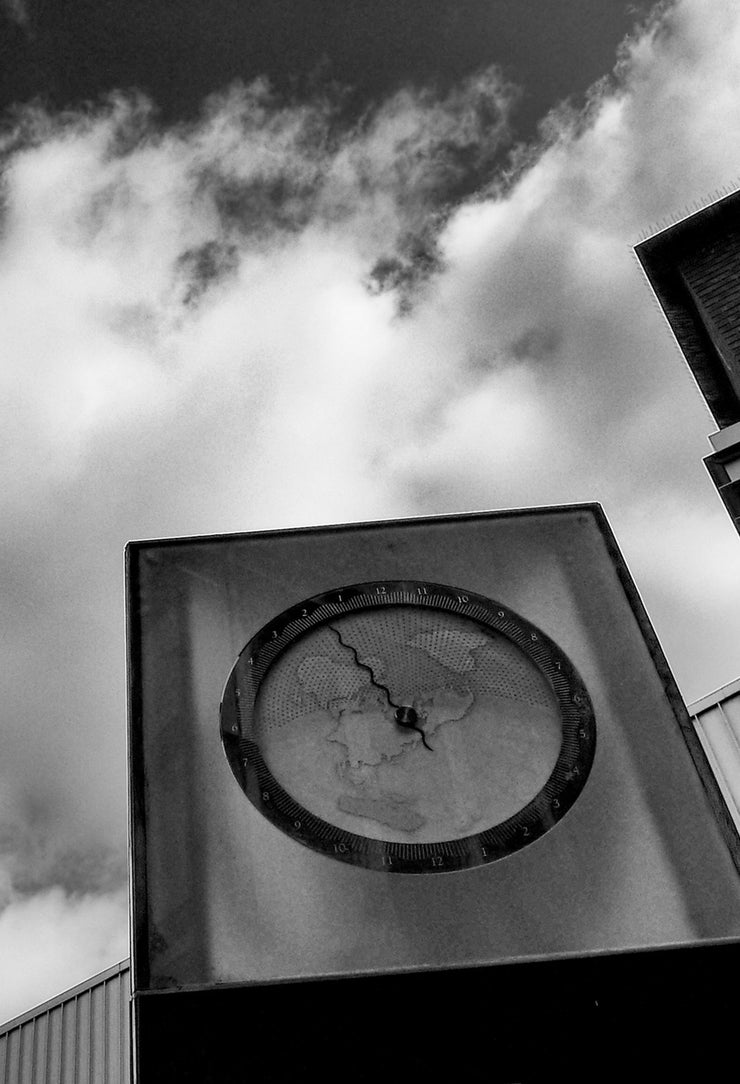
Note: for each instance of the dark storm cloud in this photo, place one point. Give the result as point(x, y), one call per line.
point(260, 169)
point(536, 343)
point(205, 264)
point(430, 150)
point(178, 54)
point(37, 856)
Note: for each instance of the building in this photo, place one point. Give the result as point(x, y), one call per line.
point(80, 1037)
point(694, 269)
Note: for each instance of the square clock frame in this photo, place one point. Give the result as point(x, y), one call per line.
point(599, 879)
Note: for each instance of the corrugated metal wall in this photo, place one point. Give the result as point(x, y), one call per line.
point(81, 1037)
point(717, 721)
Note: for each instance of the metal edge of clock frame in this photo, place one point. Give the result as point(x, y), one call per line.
point(138, 920)
point(500, 840)
point(137, 810)
point(716, 800)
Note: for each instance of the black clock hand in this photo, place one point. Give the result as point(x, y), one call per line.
point(408, 717)
point(405, 716)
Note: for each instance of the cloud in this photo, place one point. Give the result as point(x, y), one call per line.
point(51, 941)
point(139, 266)
point(257, 320)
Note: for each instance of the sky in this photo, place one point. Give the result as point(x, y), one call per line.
point(274, 270)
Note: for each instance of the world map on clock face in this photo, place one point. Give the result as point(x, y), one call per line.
point(487, 739)
point(408, 727)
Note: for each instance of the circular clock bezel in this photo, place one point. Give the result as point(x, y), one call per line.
point(533, 820)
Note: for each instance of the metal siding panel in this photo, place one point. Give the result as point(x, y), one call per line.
point(97, 1032)
point(82, 1059)
point(69, 1038)
point(14, 1056)
point(5, 1059)
point(115, 1039)
point(39, 1074)
point(731, 708)
point(109, 1020)
point(27, 1032)
point(69, 1042)
point(125, 1026)
point(54, 1047)
point(723, 752)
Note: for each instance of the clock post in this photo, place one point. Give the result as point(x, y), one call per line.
point(413, 794)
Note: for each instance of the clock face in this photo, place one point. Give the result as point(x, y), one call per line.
point(407, 727)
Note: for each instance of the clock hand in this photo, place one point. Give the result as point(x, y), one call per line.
point(405, 716)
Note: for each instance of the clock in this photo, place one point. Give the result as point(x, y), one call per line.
point(457, 769)
point(406, 726)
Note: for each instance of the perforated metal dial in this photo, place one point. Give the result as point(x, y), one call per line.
point(407, 727)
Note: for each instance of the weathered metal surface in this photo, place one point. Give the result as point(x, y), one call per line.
point(223, 897)
point(717, 721)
